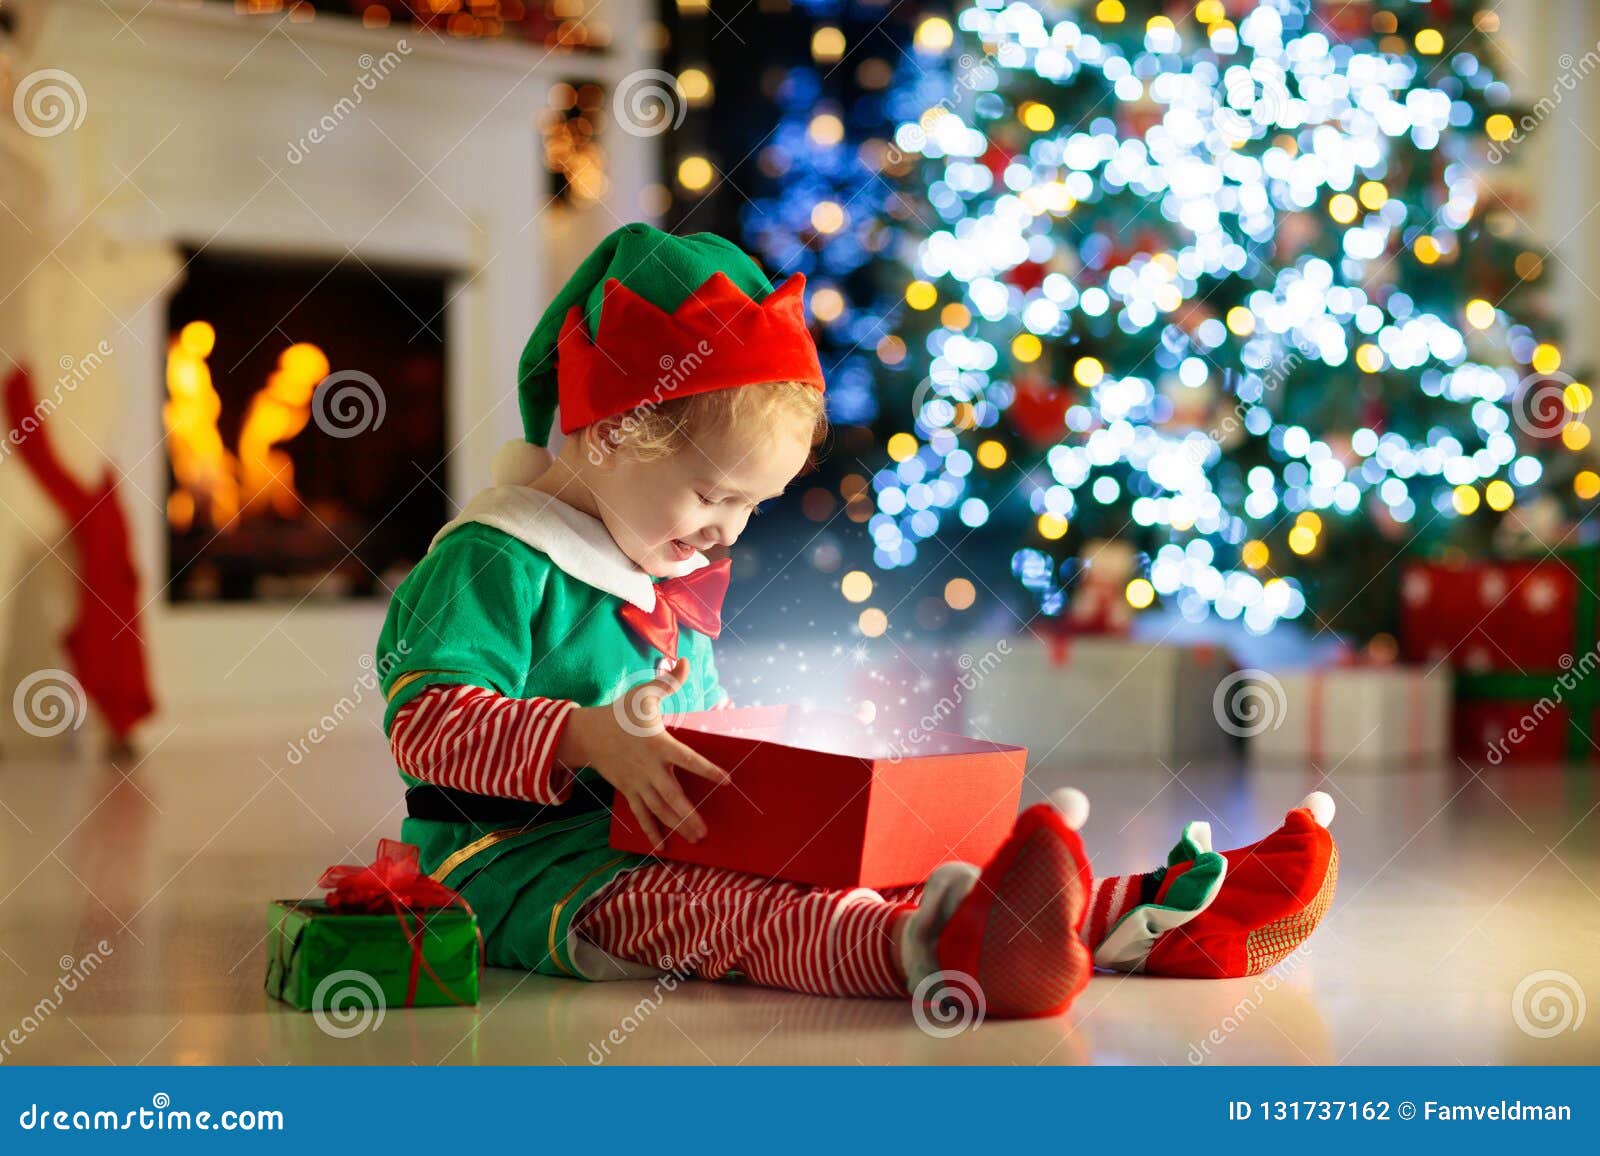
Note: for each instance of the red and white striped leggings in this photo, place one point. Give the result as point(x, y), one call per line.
point(708, 921)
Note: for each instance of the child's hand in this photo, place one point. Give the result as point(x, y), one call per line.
point(628, 743)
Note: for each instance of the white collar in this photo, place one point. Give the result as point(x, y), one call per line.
point(577, 543)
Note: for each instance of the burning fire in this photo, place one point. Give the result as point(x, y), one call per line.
point(211, 481)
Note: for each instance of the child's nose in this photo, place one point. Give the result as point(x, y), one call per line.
point(726, 530)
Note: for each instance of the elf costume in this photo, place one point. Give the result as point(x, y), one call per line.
point(525, 609)
point(1210, 915)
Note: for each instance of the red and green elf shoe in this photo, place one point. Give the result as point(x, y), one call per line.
point(1014, 931)
point(1211, 916)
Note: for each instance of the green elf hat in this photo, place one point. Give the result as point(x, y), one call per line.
point(647, 317)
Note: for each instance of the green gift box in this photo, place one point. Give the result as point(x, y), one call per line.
point(321, 959)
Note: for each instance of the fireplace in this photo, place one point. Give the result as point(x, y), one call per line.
point(305, 424)
point(393, 271)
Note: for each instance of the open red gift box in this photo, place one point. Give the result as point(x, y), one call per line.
point(817, 797)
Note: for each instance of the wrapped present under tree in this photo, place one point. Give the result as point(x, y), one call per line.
point(385, 934)
point(1521, 638)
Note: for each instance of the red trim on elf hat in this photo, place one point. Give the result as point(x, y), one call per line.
point(717, 339)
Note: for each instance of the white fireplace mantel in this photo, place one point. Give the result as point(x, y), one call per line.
point(193, 119)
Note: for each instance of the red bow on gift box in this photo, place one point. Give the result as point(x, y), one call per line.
point(694, 599)
point(395, 882)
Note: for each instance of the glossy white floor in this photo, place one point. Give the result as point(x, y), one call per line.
point(1455, 889)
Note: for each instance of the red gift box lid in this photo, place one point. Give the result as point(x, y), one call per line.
point(819, 797)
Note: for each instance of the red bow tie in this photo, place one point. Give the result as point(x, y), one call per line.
point(694, 599)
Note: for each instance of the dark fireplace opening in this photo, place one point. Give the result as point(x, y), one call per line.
point(305, 427)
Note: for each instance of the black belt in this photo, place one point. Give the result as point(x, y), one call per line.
point(448, 805)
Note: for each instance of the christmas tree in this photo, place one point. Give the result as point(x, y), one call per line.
point(1228, 286)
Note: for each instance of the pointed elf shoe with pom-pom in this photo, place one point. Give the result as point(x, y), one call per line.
point(1014, 930)
point(1264, 901)
point(1130, 914)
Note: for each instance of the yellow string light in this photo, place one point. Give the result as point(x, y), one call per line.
point(1088, 371)
point(902, 446)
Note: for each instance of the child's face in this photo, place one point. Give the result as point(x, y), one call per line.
point(661, 511)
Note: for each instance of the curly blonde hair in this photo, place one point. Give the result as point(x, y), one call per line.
point(652, 431)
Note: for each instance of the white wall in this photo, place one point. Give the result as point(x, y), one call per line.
point(1545, 42)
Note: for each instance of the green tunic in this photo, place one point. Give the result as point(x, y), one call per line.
point(520, 594)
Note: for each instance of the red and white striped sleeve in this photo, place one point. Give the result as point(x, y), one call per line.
point(474, 739)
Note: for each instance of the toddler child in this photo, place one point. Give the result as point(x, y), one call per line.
point(532, 652)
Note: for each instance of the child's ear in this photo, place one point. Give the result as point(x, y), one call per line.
point(599, 443)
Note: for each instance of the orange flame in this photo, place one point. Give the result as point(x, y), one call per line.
point(261, 476)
